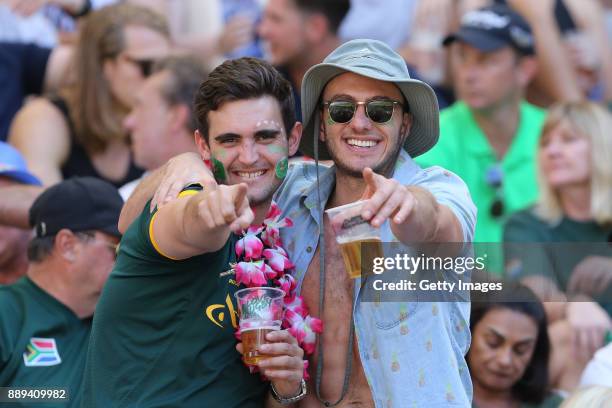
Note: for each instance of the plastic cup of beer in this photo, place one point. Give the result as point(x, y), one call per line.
point(351, 232)
point(261, 311)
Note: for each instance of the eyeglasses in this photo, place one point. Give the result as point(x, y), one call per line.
point(145, 64)
point(90, 237)
point(494, 178)
point(378, 111)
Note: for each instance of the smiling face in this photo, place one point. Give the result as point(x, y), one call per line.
point(565, 156)
point(503, 342)
point(247, 143)
point(361, 142)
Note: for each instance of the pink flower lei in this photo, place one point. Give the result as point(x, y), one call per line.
point(262, 261)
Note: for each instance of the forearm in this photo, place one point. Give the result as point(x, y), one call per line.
point(428, 221)
point(142, 193)
point(15, 205)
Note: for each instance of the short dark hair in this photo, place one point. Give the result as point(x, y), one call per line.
point(243, 78)
point(532, 387)
point(186, 74)
point(40, 248)
point(334, 10)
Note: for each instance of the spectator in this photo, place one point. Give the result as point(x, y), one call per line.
point(162, 122)
point(13, 240)
point(171, 270)
point(299, 34)
point(574, 206)
point(45, 317)
point(489, 136)
point(79, 132)
point(509, 354)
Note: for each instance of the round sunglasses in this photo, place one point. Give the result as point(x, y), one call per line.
point(378, 111)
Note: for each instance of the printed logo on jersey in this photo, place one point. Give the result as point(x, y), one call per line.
point(217, 313)
point(41, 352)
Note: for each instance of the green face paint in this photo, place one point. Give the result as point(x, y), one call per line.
point(276, 149)
point(281, 168)
point(329, 121)
point(221, 153)
point(218, 170)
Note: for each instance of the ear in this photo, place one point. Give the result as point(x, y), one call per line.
point(406, 126)
point(202, 145)
point(528, 67)
point(317, 28)
point(179, 117)
point(109, 67)
point(67, 245)
point(294, 138)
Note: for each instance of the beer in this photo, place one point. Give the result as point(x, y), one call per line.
point(251, 340)
point(352, 254)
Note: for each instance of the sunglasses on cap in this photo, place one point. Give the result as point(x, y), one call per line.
point(377, 110)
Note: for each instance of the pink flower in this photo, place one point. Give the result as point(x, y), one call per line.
point(250, 273)
point(286, 283)
point(296, 304)
point(268, 271)
point(304, 330)
point(306, 375)
point(250, 245)
point(277, 259)
point(273, 222)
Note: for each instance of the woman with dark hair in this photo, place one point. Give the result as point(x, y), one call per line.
point(508, 358)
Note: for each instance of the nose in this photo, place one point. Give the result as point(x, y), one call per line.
point(248, 153)
point(504, 357)
point(361, 122)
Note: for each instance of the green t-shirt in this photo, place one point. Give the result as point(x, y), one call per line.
point(163, 332)
point(552, 401)
point(464, 149)
point(42, 343)
point(538, 248)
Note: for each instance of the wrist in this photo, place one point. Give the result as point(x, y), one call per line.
point(288, 392)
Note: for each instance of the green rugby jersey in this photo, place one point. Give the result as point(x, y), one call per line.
point(43, 344)
point(163, 332)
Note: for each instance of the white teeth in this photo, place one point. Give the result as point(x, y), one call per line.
point(361, 143)
point(250, 175)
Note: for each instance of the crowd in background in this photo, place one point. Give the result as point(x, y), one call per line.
point(104, 89)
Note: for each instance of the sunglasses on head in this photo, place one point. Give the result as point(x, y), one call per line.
point(145, 65)
point(377, 110)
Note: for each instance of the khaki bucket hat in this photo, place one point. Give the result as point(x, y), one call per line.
point(372, 59)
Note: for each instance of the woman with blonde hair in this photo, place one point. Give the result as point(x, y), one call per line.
point(572, 221)
point(79, 132)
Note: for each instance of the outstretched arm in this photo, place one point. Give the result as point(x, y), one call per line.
point(200, 223)
point(414, 213)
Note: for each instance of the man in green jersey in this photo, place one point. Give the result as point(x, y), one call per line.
point(163, 334)
point(45, 317)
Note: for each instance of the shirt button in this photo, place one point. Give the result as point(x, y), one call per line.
point(309, 249)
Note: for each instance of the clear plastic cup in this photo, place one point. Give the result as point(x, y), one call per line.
point(261, 311)
point(351, 232)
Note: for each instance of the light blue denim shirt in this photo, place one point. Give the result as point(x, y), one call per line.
point(413, 353)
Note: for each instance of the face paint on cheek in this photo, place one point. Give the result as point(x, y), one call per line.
point(329, 121)
point(280, 170)
point(218, 170)
point(221, 153)
point(275, 149)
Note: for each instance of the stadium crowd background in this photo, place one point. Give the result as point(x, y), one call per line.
point(529, 131)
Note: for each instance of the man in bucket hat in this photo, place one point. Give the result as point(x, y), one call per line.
point(362, 109)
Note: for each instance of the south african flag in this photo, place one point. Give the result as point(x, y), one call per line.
point(41, 352)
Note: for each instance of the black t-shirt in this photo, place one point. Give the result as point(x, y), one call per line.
point(22, 72)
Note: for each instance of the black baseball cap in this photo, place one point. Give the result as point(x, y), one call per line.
point(493, 27)
point(77, 204)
